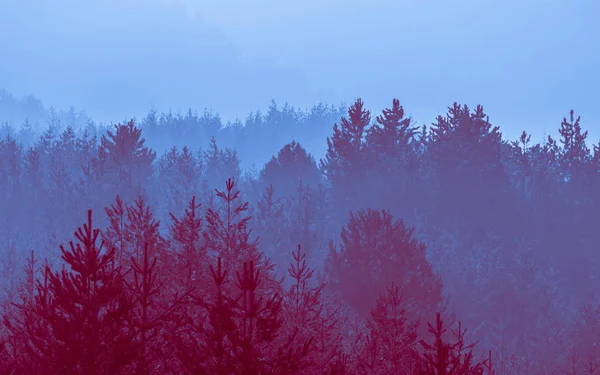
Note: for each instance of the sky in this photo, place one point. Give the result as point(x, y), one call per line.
point(527, 62)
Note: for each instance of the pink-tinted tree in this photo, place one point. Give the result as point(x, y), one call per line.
point(123, 156)
point(226, 234)
point(583, 356)
point(392, 163)
point(280, 223)
point(188, 243)
point(77, 321)
point(464, 153)
point(575, 153)
point(343, 164)
point(153, 312)
point(179, 177)
point(220, 165)
point(389, 344)
point(141, 230)
point(86, 147)
point(392, 133)
point(114, 235)
point(270, 226)
point(131, 228)
point(376, 250)
point(240, 334)
point(303, 306)
point(13, 331)
point(445, 357)
point(309, 222)
point(291, 166)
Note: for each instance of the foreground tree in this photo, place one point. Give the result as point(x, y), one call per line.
point(450, 356)
point(309, 319)
point(77, 322)
point(240, 331)
point(389, 344)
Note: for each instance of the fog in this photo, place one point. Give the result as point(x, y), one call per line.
point(528, 63)
point(249, 187)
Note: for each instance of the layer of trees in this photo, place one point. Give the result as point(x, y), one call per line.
point(371, 260)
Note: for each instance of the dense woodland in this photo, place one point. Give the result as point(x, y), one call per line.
point(152, 247)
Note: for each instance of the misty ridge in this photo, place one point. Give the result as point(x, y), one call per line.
point(116, 59)
point(397, 233)
point(292, 235)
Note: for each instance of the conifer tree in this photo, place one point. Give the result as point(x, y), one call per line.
point(389, 344)
point(179, 179)
point(304, 306)
point(291, 166)
point(392, 132)
point(392, 162)
point(575, 153)
point(77, 321)
point(241, 333)
point(141, 229)
point(151, 317)
point(220, 165)
point(123, 155)
point(227, 234)
point(376, 250)
point(444, 357)
point(466, 138)
point(270, 225)
point(188, 243)
point(114, 235)
point(343, 164)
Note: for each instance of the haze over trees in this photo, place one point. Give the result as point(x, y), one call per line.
point(176, 244)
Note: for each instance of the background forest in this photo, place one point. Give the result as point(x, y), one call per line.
point(241, 248)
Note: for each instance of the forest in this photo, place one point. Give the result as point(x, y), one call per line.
point(180, 244)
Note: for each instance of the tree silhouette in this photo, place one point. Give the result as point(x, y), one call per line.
point(376, 250)
point(123, 155)
point(77, 321)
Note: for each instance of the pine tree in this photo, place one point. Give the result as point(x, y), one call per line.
point(241, 333)
point(179, 178)
point(376, 250)
point(393, 132)
point(391, 162)
point(13, 331)
point(226, 233)
point(389, 346)
point(125, 157)
point(220, 165)
point(187, 239)
point(575, 153)
point(114, 235)
point(152, 313)
point(465, 138)
point(443, 357)
point(141, 229)
point(304, 307)
point(343, 164)
point(291, 166)
point(77, 321)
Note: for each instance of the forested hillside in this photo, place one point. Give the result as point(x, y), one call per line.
point(324, 241)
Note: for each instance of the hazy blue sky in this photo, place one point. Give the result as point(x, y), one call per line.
point(528, 62)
